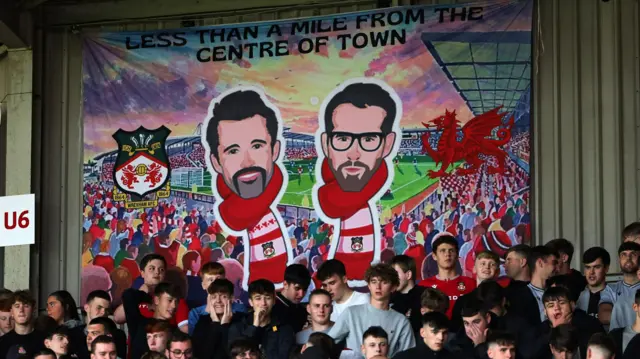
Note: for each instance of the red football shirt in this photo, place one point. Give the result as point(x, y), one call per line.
point(453, 288)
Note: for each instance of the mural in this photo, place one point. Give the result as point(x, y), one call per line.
point(355, 136)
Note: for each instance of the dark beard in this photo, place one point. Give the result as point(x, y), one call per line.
point(253, 189)
point(353, 183)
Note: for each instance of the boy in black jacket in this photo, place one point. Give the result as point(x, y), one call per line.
point(287, 304)
point(470, 342)
point(275, 337)
point(623, 336)
point(434, 332)
point(165, 301)
point(211, 333)
point(501, 345)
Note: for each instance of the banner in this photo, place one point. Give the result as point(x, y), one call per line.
point(355, 136)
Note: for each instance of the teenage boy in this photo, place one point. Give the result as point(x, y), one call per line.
point(375, 342)
point(158, 334)
point(470, 342)
point(180, 346)
point(23, 336)
point(601, 347)
point(564, 342)
point(382, 280)
point(406, 298)
point(97, 305)
point(319, 309)
point(596, 261)
point(103, 347)
point(6, 321)
point(515, 264)
point(211, 333)
point(58, 341)
point(274, 337)
point(97, 327)
point(624, 289)
point(433, 300)
point(433, 335)
point(165, 302)
point(288, 307)
point(501, 345)
point(622, 336)
point(210, 272)
point(333, 276)
point(445, 253)
point(526, 300)
point(564, 249)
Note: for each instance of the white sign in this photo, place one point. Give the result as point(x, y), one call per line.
point(17, 220)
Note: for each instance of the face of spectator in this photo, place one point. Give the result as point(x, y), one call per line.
point(22, 313)
point(380, 289)
point(180, 350)
point(154, 272)
point(165, 306)
point(262, 301)
point(320, 308)
point(433, 338)
point(207, 279)
point(6, 322)
point(485, 268)
point(58, 343)
point(55, 309)
point(94, 331)
point(96, 308)
point(498, 351)
point(561, 353)
point(245, 156)
point(595, 272)
point(247, 355)
point(404, 277)
point(446, 256)
point(628, 262)
point(559, 311)
point(219, 301)
point(372, 346)
point(354, 162)
point(336, 286)
point(157, 341)
point(104, 351)
point(478, 321)
point(293, 291)
point(547, 267)
point(514, 265)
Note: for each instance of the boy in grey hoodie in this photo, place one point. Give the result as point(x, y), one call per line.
point(382, 280)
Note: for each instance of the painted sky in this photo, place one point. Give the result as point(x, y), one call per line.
point(168, 86)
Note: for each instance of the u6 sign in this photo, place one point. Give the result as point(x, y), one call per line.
point(17, 220)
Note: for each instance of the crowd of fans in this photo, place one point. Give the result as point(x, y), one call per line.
point(300, 153)
point(540, 308)
point(520, 145)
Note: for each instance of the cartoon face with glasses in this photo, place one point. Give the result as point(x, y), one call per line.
point(358, 135)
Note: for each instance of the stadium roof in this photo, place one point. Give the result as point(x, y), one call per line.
point(488, 69)
point(298, 136)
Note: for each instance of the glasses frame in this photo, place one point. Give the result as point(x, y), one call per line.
point(357, 136)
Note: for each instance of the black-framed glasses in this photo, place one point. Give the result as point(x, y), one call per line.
point(177, 352)
point(368, 141)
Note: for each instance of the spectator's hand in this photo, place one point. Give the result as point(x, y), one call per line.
point(228, 313)
point(476, 335)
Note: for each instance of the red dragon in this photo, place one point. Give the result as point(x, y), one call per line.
point(154, 176)
point(129, 176)
point(477, 139)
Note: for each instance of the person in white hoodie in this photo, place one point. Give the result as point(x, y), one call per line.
point(333, 276)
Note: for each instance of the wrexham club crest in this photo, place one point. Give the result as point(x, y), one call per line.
point(142, 165)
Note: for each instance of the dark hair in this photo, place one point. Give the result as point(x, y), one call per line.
point(382, 271)
point(101, 339)
point(44, 351)
point(241, 345)
point(522, 250)
point(564, 281)
point(60, 330)
point(237, 106)
point(556, 293)
point(330, 268)
point(435, 320)
point(101, 294)
point(592, 254)
point(324, 342)
point(561, 246)
point(406, 263)
point(501, 338)
point(376, 332)
point(261, 286)
point(564, 337)
point(212, 268)
point(168, 288)
point(297, 274)
point(491, 294)
point(69, 305)
point(153, 355)
point(23, 296)
point(604, 342)
point(157, 325)
point(152, 257)
point(319, 292)
point(45, 324)
point(108, 324)
point(177, 336)
point(538, 252)
point(221, 285)
point(472, 307)
point(631, 230)
point(637, 297)
point(433, 299)
point(362, 95)
point(445, 239)
point(628, 246)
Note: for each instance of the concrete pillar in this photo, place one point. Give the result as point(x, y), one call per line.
point(16, 96)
